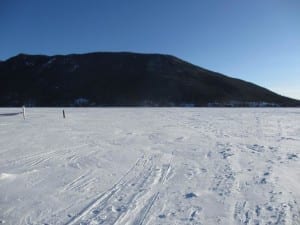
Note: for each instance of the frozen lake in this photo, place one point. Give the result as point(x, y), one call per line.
point(150, 166)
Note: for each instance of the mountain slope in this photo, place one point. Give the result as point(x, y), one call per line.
point(123, 79)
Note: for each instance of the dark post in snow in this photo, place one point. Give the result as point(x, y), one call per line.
point(64, 115)
point(23, 111)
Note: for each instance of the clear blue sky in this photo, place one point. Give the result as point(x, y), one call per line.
point(257, 40)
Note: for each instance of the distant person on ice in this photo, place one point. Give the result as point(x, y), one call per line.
point(64, 115)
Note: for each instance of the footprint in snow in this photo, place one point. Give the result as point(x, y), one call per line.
point(162, 216)
point(190, 195)
point(292, 156)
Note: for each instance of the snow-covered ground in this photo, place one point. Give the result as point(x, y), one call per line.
point(150, 166)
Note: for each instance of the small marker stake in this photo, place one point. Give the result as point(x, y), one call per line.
point(64, 115)
point(23, 112)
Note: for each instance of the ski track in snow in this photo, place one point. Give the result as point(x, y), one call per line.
point(150, 166)
point(121, 202)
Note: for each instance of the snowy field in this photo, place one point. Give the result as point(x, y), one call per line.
point(150, 166)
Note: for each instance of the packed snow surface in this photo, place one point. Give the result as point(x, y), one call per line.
point(150, 166)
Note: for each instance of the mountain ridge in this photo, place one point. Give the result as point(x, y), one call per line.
point(124, 79)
